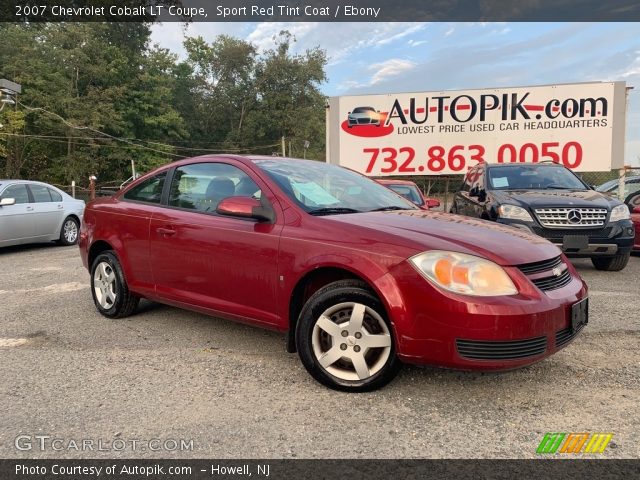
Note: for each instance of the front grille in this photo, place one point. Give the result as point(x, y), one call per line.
point(543, 266)
point(559, 234)
point(510, 350)
point(553, 282)
point(571, 217)
point(557, 273)
point(566, 335)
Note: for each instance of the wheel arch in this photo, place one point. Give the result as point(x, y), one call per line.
point(96, 249)
point(311, 282)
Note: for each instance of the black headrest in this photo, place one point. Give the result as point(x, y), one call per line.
point(220, 187)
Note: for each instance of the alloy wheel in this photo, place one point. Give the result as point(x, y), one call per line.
point(104, 285)
point(70, 231)
point(351, 341)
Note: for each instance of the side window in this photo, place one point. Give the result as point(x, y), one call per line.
point(40, 193)
point(19, 192)
point(633, 187)
point(478, 181)
point(469, 179)
point(55, 196)
point(201, 186)
point(149, 191)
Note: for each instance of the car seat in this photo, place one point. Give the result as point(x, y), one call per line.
point(218, 189)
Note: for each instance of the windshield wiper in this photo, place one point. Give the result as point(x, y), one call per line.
point(332, 210)
point(560, 187)
point(384, 209)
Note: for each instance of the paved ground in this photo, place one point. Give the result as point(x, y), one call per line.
point(231, 389)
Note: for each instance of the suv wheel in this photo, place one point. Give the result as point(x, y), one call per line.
point(611, 264)
point(344, 340)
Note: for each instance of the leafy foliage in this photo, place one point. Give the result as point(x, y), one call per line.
point(96, 96)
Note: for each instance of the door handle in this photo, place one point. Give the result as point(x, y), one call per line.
point(29, 209)
point(60, 207)
point(165, 231)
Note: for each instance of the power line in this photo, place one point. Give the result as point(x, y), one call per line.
point(76, 127)
point(64, 139)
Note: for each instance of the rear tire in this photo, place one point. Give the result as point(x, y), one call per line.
point(611, 264)
point(69, 233)
point(345, 340)
point(109, 288)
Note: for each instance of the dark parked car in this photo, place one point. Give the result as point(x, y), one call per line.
point(358, 278)
point(411, 192)
point(551, 201)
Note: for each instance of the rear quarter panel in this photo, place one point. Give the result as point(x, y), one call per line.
point(125, 227)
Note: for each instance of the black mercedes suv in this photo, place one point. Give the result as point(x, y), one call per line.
point(551, 201)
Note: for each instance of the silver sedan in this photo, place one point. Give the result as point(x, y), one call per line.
point(34, 212)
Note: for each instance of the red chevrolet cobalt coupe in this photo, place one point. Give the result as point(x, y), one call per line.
point(358, 278)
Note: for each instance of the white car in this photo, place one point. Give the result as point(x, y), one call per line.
point(35, 212)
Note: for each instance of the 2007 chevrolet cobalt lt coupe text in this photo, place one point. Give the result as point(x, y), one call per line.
point(359, 278)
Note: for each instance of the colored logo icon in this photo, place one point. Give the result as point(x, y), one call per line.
point(574, 443)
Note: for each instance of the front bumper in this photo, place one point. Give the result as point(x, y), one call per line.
point(613, 239)
point(435, 327)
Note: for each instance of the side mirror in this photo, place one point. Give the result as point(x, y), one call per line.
point(432, 203)
point(5, 202)
point(348, 113)
point(245, 207)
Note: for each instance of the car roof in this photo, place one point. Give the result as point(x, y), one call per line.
point(388, 181)
point(519, 164)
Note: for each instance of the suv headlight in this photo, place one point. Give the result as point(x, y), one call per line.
point(461, 273)
point(514, 213)
point(621, 212)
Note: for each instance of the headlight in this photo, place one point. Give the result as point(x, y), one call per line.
point(621, 212)
point(462, 273)
point(514, 213)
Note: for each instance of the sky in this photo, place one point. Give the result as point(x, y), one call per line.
point(379, 58)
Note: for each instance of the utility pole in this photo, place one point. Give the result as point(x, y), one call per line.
point(92, 187)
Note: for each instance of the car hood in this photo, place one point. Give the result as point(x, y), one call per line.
point(419, 230)
point(555, 198)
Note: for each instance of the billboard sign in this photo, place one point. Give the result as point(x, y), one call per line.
point(434, 133)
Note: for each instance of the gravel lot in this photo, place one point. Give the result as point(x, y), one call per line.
point(170, 374)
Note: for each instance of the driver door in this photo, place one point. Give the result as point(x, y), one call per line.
point(221, 263)
point(17, 223)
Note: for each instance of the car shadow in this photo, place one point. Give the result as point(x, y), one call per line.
point(32, 246)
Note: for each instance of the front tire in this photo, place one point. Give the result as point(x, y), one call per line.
point(344, 339)
point(69, 231)
point(109, 288)
point(611, 264)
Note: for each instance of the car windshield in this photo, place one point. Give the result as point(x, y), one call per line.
point(363, 110)
point(409, 192)
point(323, 189)
point(533, 177)
point(610, 185)
point(613, 184)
